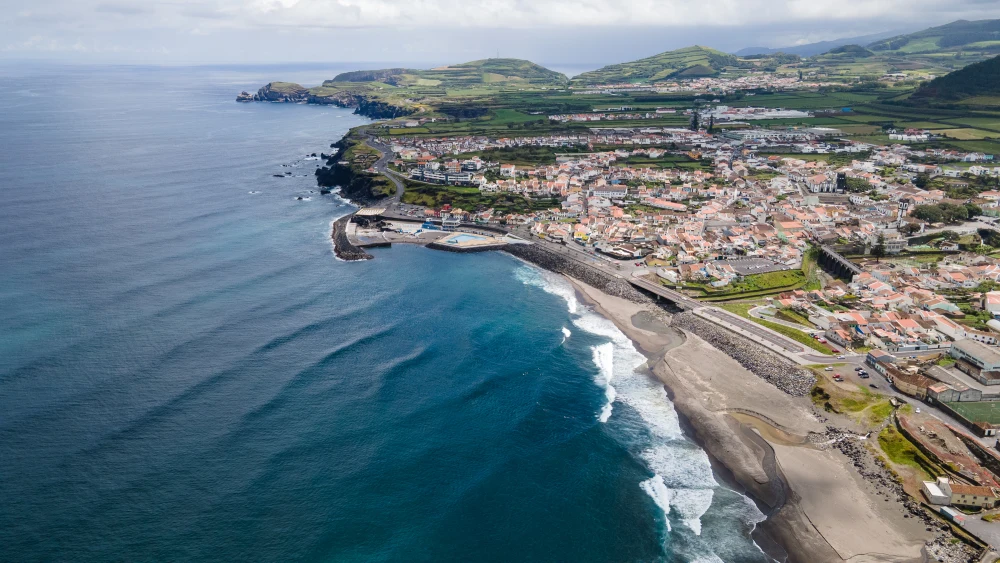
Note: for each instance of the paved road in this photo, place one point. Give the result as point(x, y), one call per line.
point(757, 330)
point(382, 168)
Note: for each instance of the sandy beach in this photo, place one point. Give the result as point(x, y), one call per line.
point(819, 508)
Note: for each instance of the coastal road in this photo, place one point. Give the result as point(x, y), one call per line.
point(382, 167)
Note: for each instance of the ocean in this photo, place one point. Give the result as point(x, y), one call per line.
point(187, 373)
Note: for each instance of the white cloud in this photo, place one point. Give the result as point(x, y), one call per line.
point(518, 14)
point(443, 29)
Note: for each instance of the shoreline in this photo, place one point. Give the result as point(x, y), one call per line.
point(745, 425)
point(764, 442)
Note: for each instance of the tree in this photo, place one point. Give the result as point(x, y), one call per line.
point(858, 185)
point(711, 125)
point(878, 251)
point(986, 286)
point(694, 120)
point(922, 180)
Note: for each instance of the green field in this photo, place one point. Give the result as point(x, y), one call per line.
point(968, 134)
point(978, 412)
point(902, 452)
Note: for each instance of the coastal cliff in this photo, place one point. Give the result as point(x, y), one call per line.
point(289, 92)
point(355, 184)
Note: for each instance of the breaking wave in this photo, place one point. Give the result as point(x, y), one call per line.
point(682, 486)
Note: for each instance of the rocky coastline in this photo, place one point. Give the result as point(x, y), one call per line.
point(282, 92)
point(359, 188)
point(342, 246)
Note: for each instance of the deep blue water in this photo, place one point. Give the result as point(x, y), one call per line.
point(187, 373)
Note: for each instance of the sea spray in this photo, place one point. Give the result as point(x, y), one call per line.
point(605, 361)
point(660, 494)
point(682, 486)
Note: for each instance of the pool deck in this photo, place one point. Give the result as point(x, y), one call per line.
point(466, 242)
point(411, 233)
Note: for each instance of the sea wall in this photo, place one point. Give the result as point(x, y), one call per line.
point(342, 247)
point(464, 249)
point(591, 276)
point(760, 361)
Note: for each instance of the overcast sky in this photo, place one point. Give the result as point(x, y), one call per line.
point(552, 32)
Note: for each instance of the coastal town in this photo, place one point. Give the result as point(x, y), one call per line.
point(876, 255)
point(805, 250)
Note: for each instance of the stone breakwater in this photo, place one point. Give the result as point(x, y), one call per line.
point(758, 360)
point(591, 276)
point(342, 246)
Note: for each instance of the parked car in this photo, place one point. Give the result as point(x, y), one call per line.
point(859, 369)
point(873, 386)
point(828, 369)
point(917, 410)
point(864, 376)
point(838, 378)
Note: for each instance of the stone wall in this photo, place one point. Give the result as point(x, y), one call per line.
point(591, 276)
point(757, 359)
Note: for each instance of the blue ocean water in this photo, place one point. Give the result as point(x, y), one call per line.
point(187, 372)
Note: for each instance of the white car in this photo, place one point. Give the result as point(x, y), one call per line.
point(840, 357)
point(828, 369)
point(918, 410)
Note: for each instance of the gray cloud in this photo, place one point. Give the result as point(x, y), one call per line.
point(552, 31)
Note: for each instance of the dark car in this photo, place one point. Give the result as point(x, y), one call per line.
point(873, 386)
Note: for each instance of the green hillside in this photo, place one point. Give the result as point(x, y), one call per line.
point(978, 36)
point(459, 76)
point(689, 62)
point(978, 83)
point(856, 51)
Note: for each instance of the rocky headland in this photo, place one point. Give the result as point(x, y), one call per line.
point(289, 92)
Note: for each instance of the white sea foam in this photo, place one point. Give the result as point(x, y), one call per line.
point(566, 333)
point(550, 283)
point(682, 485)
point(604, 358)
point(660, 494)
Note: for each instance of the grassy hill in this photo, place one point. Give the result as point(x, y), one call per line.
point(962, 35)
point(689, 62)
point(459, 76)
point(856, 51)
point(978, 83)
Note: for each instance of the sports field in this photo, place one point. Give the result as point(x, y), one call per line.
point(978, 412)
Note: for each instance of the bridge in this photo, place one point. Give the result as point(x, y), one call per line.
point(834, 262)
point(678, 298)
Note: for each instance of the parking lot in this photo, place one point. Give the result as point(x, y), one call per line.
point(744, 266)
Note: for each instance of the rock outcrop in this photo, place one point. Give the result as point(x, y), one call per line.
point(289, 92)
point(342, 246)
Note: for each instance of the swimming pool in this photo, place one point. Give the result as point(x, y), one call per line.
point(464, 238)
